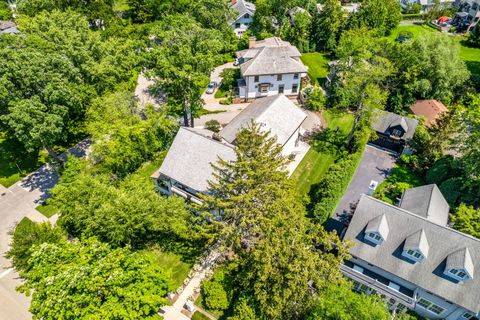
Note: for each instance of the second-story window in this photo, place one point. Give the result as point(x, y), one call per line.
point(279, 77)
point(295, 76)
point(256, 79)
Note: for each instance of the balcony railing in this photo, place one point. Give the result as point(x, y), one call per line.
point(379, 287)
point(186, 195)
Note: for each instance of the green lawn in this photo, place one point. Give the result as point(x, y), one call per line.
point(16, 162)
point(199, 316)
point(315, 164)
point(47, 209)
point(317, 64)
point(174, 264)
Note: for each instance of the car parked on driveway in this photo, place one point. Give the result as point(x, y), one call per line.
point(211, 87)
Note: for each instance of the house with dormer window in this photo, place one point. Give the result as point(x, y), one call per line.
point(393, 130)
point(244, 11)
point(410, 256)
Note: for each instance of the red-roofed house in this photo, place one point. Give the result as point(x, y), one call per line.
point(430, 109)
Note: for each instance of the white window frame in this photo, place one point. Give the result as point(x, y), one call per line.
point(294, 88)
point(412, 255)
point(454, 273)
point(372, 236)
point(430, 306)
point(466, 316)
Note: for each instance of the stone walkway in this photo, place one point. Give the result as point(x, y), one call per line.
point(17, 202)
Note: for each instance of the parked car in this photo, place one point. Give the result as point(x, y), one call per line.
point(211, 87)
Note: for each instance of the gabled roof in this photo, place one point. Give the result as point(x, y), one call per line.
point(417, 241)
point(428, 202)
point(378, 225)
point(271, 56)
point(430, 109)
point(461, 260)
point(276, 113)
point(383, 121)
point(427, 275)
point(242, 7)
point(190, 156)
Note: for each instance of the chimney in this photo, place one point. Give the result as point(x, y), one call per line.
point(252, 41)
point(233, 2)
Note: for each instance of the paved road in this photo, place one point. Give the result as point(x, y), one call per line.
point(375, 165)
point(17, 202)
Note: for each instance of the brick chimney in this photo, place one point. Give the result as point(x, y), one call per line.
point(233, 2)
point(252, 41)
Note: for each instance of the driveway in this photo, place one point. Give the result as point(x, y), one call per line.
point(376, 164)
point(212, 103)
point(17, 202)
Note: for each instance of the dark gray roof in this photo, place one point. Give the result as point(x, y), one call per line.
point(241, 7)
point(271, 56)
point(276, 113)
point(383, 120)
point(428, 273)
point(189, 158)
point(428, 202)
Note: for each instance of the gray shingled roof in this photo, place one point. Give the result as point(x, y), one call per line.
point(428, 202)
point(277, 113)
point(242, 7)
point(428, 274)
point(461, 259)
point(383, 121)
point(271, 56)
point(189, 158)
point(417, 241)
point(379, 225)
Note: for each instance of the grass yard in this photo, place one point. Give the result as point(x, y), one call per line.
point(315, 164)
point(199, 316)
point(174, 264)
point(317, 64)
point(16, 162)
point(47, 209)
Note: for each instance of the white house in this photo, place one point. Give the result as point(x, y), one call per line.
point(426, 4)
point(269, 67)
point(245, 11)
point(410, 256)
point(187, 168)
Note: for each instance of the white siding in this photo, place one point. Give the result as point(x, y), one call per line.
point(241, 25)
point(287, 81)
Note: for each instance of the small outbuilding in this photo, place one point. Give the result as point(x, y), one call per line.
point(431, 110)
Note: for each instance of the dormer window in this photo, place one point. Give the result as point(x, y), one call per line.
point(416, 246)
point(377, 230)
point(459, 265)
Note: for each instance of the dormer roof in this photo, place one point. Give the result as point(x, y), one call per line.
point(417, 241)
point(378, 225)
point(384, 121)
point(400, 122)
point(461, 260)
point(241, 7)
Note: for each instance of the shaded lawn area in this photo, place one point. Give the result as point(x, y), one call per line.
point(174, 264)
point(16, 162)
point(315, 164)
point(317, 64)
point(47, 209)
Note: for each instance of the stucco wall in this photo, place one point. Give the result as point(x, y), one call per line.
point(287, 80)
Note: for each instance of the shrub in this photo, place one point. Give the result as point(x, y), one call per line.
point(214, 292)
point(452, 189)
point(226, 101)
point(316, 99)
point(213, 125)
point(440, 171)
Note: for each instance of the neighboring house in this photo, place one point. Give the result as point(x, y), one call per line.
point(393, 130)
point(269, 67)
point(410, 256)
point(431, 110)
point(245, 11)
point(296, 10)
point(347, 8)
point(8, 27)
point(468, 14)
point(426, 4)
point(186, 169)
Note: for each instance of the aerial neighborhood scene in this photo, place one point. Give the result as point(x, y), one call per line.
point(240, 160)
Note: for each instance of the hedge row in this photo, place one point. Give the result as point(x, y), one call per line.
point(326, 194)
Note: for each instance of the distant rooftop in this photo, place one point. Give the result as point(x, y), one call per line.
point(430, 109)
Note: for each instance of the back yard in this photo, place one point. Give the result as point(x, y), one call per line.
point(317, 64)
point(316, 163)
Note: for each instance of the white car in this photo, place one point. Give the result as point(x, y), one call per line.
point(211, 87)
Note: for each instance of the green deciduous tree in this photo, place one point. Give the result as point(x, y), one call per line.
point(89, 280)
point(327, 25)
point(131, 213)
point(339, 302)
point(383, 15)
point(26, 235)
point(467, 219)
